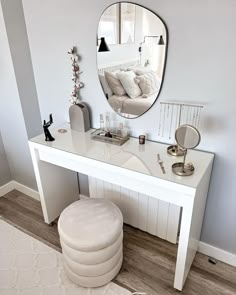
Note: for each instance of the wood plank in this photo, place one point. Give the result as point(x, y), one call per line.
point(152, 215)
point(162, 219)
point(143, 212)
point(28, 220)
point(99, 188)
point(107, 190)
point(92, 187)
point(124, 196)
point(133, 208)
point(115, 195)
point(24, 201)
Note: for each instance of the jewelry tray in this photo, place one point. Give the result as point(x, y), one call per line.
point(99, 135)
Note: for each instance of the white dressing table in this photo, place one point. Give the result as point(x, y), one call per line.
point(132, 166)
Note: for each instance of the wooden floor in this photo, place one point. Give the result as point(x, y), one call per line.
point(149, 262)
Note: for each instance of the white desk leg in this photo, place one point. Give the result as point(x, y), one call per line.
point(185, 254)
point(190, 231)
point(58, 187)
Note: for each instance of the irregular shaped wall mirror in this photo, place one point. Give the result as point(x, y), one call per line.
point(131, 55)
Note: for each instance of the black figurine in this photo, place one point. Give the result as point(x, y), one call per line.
point(48, 136)
point(108, 134)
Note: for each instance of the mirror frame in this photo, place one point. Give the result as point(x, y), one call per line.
point(164, 63)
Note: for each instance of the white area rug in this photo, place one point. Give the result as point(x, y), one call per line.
point(29, 267)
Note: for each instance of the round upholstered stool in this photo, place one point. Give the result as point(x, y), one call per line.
point(91, 235)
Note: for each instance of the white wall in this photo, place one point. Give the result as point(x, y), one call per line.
point(20, 53)
point(5, 174)
point(201, 64)
point(12, 122)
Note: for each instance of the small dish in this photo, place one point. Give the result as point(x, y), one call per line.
point(175, 150)
point(182, 170)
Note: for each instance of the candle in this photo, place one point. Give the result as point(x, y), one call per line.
point(141, 139)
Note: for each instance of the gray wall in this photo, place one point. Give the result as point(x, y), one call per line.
point(5, 174)
point(19, 47)
point(12, 121)
point(201, 66)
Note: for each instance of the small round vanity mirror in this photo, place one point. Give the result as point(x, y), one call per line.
point(187, 137)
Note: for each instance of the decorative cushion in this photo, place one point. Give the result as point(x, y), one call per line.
point(90, 224)
point(148, 83)
point(93, 281)
point(96, 269)
point(127, 79)
point(139, 70)
point(107, 90)
point(114, 83)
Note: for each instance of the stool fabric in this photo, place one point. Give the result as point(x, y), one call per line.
point(91, 235)
point(92, 282)
point(92, 217)
point(96, 269)
point(94, 257)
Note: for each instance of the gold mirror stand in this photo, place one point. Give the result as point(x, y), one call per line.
point(187, 137)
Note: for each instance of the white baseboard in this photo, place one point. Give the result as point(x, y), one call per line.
point(217, 253)
point(6, 188)
point(11, 185)
point(20, 187)
point(27, 191)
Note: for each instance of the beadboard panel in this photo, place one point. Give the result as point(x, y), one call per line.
point(141, 211)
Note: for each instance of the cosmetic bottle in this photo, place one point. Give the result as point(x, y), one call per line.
point(113, 124)
point(125, 131)
point(108, 127)
point(102, 127)
point(120, 130)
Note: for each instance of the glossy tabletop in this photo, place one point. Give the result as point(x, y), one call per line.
point(131, 155)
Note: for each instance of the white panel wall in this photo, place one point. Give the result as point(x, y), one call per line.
point(146, 213)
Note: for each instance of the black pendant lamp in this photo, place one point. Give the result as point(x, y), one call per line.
point(161, 41)
point(103, 45)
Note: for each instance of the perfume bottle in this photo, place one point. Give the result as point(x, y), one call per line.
point(120, 130)
point(125, 130)
point(113, 124)
point(108, 127)
point(102, 126)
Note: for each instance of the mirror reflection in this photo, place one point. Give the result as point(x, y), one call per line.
point(131, 54)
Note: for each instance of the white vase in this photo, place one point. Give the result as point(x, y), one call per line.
point(79, 117)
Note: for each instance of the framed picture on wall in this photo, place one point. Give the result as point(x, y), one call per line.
point(117, 24)
point(109, 25)
point(127, 23)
